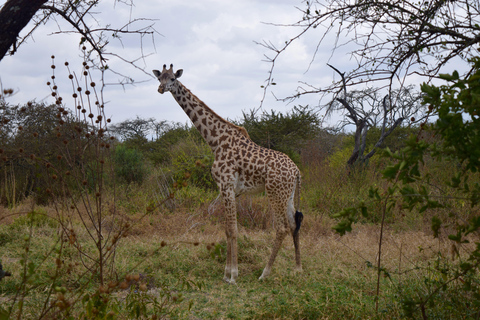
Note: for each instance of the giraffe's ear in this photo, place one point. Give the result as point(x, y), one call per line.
point(179, 73)
point(156, 73)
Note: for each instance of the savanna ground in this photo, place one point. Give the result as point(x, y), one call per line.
point(178, 257)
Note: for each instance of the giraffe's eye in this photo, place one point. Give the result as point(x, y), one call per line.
point(172, 79)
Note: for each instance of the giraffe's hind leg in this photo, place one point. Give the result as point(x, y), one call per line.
point(280, 215)
point(294, 221)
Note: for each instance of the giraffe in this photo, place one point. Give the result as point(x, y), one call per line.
point(241, 166)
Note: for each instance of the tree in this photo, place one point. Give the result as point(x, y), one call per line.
point(79, 15)
point(283, 132)
point(138, 129)
point(367, 110)
point(390, 40)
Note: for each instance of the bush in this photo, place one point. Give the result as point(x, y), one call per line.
point(129, 165)
point(191, 163)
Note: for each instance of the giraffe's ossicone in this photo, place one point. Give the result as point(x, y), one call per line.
point(241, 166)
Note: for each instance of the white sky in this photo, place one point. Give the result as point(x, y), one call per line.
point(211, 40)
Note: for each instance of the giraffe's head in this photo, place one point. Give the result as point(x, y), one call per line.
point(167, 78)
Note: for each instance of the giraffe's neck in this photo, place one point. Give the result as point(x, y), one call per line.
point(210, 125)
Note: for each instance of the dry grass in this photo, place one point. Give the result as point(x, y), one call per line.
point(339, 278)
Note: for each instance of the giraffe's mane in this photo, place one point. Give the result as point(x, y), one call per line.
point(241, 129)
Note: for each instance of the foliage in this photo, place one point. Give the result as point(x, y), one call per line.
point(30, 136)
point(287, 133)
point(191, 162)
point(456, 105)
point(129, 164)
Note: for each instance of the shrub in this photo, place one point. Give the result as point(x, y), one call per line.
point(129, 165)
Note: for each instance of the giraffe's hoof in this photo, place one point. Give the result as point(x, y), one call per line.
point(264, 275)
point(298, 270)
point(229, 280)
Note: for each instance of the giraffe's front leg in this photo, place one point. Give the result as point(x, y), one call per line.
point(231, 267)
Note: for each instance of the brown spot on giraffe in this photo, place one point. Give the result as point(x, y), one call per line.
point(241, 166)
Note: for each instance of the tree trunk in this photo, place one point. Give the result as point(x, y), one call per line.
point(14, 16)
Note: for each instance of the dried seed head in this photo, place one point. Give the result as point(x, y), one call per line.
point(53, 57)
point(53, 66)
point(66, 63)
point(70, 76)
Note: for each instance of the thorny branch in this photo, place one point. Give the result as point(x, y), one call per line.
point(79, 15)
point(389, 40)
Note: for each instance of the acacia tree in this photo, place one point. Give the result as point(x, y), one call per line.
point(80, 15)
point(366, 109)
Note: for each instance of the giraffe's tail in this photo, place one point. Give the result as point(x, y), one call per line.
point(298, 214)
